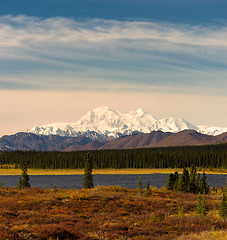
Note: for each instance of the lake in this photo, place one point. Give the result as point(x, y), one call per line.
point(127, 180)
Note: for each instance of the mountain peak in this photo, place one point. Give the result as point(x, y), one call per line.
point(101, 109)
point(108, 123)
point(140, 111)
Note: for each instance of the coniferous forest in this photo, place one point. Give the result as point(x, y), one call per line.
point(208, 156)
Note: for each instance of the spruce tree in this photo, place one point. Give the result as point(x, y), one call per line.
point(197, 183)
point(148, 190)
point(202, 205)
point(199, 204)
point(19, 185)
point(192, 185)
point(180, 183)
point(204, 187)
point(139, 187)
point(223, 207)
point(55, 188)
point(170, 182)
point(183, 182)
point(187, 180)
point(24, 179)
point(87, 178)
point(176, 178)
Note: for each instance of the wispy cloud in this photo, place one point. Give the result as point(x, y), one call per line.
point(65, 53)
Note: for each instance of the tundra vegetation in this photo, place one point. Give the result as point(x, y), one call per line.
point(111, 212)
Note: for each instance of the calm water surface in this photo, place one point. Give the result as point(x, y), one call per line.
point(127, 181)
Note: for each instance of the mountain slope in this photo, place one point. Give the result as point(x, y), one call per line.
point(161, 139)
point(222, 137)
point(30, 141)
point(136, 141)
point(93, 145)
point(186, 138)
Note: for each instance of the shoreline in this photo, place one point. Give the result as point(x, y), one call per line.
point(102, 171)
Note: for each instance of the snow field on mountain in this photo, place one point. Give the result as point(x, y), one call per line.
point(108, 123)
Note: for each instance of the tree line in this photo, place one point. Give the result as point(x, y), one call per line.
point(208, 156)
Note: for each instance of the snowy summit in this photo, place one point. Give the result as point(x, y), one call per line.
point(104, 122)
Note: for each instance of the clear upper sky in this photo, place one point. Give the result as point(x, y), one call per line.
point(60, 59)
point(178, 11)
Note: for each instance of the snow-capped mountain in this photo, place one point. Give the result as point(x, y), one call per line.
point(211, 130)
point(104, 123)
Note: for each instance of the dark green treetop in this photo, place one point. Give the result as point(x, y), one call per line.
point(184, 182)
point(148, 189)
point(204, 187)
point(223, 207)
point(24, 179)
point(197, 181)
point(170, 182)
point(176, 177)
point(139, 187)
point(19, 184)
point(87, 178)
point(193, 186)
point(202, 205)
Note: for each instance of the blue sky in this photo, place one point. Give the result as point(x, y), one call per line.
point(167, 53)
point(183, 11)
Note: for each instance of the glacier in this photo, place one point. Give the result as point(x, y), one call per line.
point(104, 123)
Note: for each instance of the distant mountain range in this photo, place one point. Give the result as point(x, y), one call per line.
point(104, 123)
point(31, 141)
point(104, 128)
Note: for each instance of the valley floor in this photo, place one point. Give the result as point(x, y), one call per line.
point(107, 213)
point(103, 171)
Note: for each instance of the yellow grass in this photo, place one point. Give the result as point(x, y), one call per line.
point(98, 171)
point(206, 235)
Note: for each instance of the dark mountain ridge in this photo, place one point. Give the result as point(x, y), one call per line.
point(32, 142)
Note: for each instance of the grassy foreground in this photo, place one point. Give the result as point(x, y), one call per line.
point(106, 213)
point(102, 171)
point(206, 235)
